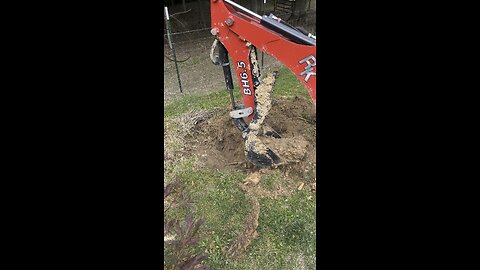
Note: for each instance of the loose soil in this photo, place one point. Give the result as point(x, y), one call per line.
point(218, 144)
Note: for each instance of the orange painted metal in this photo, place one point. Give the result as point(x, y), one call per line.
point(236, 29)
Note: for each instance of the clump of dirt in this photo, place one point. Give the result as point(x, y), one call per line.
point(253, 178)
point(219, 144)
point(291, 150)
point(263, 97)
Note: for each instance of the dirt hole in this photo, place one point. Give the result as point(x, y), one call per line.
point(218, 143)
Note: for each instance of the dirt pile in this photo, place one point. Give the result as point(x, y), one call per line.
point(218, 144)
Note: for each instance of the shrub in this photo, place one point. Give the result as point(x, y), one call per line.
point(181, 250)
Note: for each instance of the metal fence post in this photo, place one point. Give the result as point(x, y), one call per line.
point(171, 44)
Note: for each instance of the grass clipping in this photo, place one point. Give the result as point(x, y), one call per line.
point(188, 121)
point(177, 130)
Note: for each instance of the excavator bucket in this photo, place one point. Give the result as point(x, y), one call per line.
point(258, 153)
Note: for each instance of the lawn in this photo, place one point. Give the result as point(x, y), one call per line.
point(286, 232)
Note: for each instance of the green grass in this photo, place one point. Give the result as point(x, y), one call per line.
point(286, 225)
point(198, 101)
point(286, 231)
point(218, 199)
point(271, 182)
point(286, 85)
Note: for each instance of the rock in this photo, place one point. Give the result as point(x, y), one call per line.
point(301, 186)
point(253, 178)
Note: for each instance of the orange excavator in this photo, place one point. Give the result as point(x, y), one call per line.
point(239, 32)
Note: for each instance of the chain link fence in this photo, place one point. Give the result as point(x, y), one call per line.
point(190, 44)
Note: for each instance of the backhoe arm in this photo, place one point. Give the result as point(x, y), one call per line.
point(238, 28)
point(239, 32)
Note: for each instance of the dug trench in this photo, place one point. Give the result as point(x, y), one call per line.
point(218, 144)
